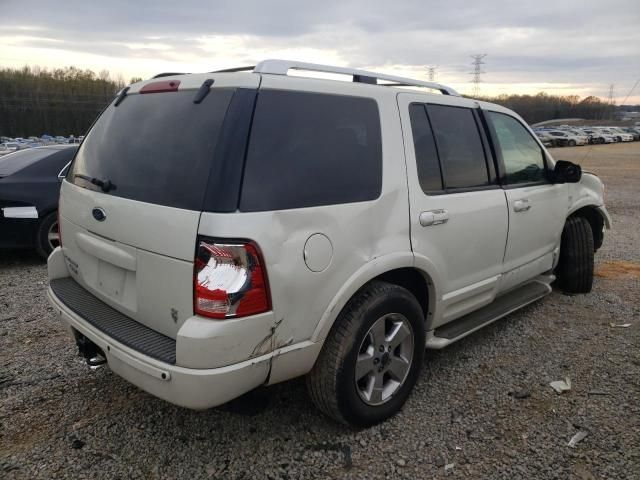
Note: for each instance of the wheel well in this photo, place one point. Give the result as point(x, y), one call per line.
point(414, 281)
point(596, 222)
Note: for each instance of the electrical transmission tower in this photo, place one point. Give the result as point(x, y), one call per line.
point(431, 70)
point(477, 71)
point(611, 100)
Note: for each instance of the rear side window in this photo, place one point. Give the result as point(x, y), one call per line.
point(311, 149)
point(522, 156)
point(459, 146)
point(425, 148)
point(155, 148)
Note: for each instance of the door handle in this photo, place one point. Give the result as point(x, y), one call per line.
point(434, 217)
point(521, 205)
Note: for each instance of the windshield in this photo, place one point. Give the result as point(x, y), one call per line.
point(155, 148)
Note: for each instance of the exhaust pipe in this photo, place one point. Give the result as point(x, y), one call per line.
point(92, 354)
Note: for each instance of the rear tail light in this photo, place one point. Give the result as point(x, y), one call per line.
point(229, 279)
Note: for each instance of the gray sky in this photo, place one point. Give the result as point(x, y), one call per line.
point(561, 46)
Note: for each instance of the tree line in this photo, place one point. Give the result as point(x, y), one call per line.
point(541, 107)
point(65, 101)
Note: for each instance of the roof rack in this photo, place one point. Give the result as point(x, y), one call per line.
point(282, 67)
point(235, 69)
point(168, 74)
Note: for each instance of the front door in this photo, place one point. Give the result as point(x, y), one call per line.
point(537, 208)
point(458, 212)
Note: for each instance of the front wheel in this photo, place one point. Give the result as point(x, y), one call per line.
point(575, 266)
point(372, 357)
point(572, 143)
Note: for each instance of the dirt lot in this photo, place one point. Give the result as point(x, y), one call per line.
point(482, 408)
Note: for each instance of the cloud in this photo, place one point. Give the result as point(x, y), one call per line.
point(588, 44)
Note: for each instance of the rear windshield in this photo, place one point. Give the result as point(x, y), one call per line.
point(14, 162)
point(155, 148)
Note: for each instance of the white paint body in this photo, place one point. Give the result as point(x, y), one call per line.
point(140, 260)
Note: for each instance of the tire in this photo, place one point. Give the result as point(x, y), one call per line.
point(572, 143)
point(575, 266)
point(332, 383)
point(44, 242)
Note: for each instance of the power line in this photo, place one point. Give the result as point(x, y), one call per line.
point(477, 71)
point(630, 92)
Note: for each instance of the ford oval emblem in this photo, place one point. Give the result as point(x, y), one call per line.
point(99, 214)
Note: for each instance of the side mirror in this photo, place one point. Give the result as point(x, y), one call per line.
point(566, 172)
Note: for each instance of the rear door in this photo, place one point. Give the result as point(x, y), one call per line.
point(537, 208)
point(131, 202)
point(458, 213)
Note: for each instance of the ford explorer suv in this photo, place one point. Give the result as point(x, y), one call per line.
point(233, 229)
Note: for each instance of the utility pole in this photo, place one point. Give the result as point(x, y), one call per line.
point(477, 71)
point(431, 70)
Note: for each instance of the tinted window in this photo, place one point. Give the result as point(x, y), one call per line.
point(425, 148)
point(459, 146)
point(21, 159)
point(309, 149)
point(156, 148)
point(522, 156)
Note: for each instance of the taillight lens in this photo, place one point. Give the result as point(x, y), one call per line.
point(229, 280)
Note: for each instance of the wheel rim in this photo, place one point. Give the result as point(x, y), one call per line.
point(384, 359)
point(53, 236)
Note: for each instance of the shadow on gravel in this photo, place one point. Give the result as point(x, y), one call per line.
point(13, 258)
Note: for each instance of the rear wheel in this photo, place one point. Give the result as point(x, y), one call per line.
point(575, 267)
point(572, 143)
point(48, 235)
point(372, 357)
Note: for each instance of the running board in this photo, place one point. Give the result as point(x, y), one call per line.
point(501, 306)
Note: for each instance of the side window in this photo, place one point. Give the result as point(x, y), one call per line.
point(522, 156)
point(459, 146)
point(425, 148)
point(311, 149)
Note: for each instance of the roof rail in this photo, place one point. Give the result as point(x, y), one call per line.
point(235, 69)
point(282, 67)
point(167, 74)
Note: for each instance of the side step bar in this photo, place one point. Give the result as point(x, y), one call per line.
point(501, 306)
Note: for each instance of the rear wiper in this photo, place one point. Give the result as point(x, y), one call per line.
point(105, 185)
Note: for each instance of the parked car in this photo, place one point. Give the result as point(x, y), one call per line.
point(633, 131)
point(546, 139)
point(356, 225)
point(9, 147)
point(29, 189)
point(599, 137)
point(618, 134)
point(567, 139)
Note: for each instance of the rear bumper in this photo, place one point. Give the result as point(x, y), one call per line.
point(196, 388)
point(187, 387)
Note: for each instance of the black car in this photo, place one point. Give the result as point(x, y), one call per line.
point(29, 190)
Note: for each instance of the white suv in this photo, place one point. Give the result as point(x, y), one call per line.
point(228, 230)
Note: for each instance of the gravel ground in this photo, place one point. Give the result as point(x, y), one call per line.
point(483, 408)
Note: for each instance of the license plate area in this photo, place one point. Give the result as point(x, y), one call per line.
point(111, 280)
